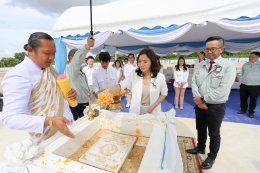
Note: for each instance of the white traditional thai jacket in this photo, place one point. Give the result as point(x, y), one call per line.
point(31, 94)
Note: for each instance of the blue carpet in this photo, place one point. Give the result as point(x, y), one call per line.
point(231, 109)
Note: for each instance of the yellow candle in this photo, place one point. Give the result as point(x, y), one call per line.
point(64, 85)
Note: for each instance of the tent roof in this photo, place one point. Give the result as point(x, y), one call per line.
point(135, 14)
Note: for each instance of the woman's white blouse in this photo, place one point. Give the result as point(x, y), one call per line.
point(180, 76)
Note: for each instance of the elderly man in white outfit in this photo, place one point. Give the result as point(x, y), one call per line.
point(147, 85)
point(181, 74)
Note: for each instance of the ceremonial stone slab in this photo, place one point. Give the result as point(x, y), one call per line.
point(109, 152)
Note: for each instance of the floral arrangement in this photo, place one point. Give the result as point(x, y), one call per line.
point(218, 68)
point(105, 99)
point(154, 82)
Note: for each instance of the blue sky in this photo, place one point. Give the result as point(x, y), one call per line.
point(20, 18)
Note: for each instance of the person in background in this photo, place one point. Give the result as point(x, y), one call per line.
point(119, 71)
point(128, 68)
point(85, 63)
point(77, 78)
point(105, 76)
point(125, 61)
point(250, 84)
point(146, 84)
point(181, 74)
point(201, 56)
point(121, 62)
point(88, 71)
point(211, 85)
point(33, 101)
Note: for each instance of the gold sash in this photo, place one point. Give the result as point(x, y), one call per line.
point(47, 100)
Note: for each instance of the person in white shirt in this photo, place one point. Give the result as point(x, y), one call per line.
point(201, 56)
point(181, 74)
point(32, 99)
point(119, 70)
point(125, 61)
point(105, 76)
point(128, 68)
point(147, 85)
point(88, 71)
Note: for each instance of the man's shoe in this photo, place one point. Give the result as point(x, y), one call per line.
point(208, 163)
point(251, 115)
point(195, 151)
point(241, 112)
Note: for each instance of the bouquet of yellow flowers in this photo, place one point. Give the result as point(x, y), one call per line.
point(105, 99)
point(110, 100)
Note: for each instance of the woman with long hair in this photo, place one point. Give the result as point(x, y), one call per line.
point(181, 74)
point(147, 85)
point(119, 70)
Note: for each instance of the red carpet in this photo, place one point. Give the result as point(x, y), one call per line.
point(191, 162)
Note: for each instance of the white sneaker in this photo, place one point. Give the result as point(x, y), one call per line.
point(127, 105)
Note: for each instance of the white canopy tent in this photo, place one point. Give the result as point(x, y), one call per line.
point(165, 26)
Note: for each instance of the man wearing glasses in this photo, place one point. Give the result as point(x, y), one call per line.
point(211, 85)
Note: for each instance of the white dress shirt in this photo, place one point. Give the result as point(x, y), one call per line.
point(128, 68)
point(180, 76)
point(104, 78)
point(17, 86)
point(88, 72)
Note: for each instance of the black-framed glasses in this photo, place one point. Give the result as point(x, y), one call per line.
point(212, 49)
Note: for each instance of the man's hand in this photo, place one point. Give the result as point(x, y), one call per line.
point(72, 94)
point(60, 123)
point(197, 100)
point(90, 42)
point(203, 106)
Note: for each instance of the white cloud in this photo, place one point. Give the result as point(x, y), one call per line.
point(12, 41)
point(53, 7)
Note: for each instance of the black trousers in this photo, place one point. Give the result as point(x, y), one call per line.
point(248, 91)
point(78, 110)
point(210, 120)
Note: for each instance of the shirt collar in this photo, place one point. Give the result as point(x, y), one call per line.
point(32, 63)
point(215, 60)
point(256, 62)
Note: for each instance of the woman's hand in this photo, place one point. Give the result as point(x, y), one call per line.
point(72, 94)
point(60, 123)
point(150, 109)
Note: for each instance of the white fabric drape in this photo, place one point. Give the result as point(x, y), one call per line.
point(250, 26)
point(100, 39)
point(161, 38)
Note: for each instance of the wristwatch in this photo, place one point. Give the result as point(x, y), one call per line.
point(202, 99)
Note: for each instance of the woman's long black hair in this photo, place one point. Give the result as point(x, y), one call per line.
point(155, 67)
